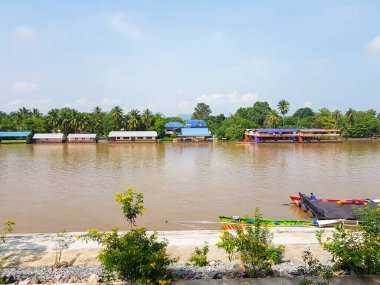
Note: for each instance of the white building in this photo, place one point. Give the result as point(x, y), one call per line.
point(133, 136)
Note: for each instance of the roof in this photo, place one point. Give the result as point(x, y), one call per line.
point(276, 130)
point(14, 134)
point(195, 132)
point(174, 125)
point(195, 123)
point(48, 136)
point(132, 134)
point(320, 130)
point(85, 136)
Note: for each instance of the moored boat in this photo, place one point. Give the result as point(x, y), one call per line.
point(271, 223)
point(297, 200)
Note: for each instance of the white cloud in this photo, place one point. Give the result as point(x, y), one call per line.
point(374, 45)
point(110, 102)
point(217, 36)
point(22, 86)
point(77, 103)
point(227, 99)
point(41, 104)
point(221, 102)
point(24, 33)
point(120, 23)
point(308, 104)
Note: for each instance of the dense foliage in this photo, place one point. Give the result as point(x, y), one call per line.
point(353, 123)
point(356, 250)
point(135, 255)
point(253, 245)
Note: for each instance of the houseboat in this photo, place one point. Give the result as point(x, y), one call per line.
point(291, 135)
point(133, 136)
point(48, 138)
point(194, 135)
point(81, 138)
point(13, 137)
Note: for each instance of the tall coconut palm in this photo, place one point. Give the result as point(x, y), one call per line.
point(147, 118)
point(133, 121)
point(53, 119)
point(272, 119)
point(283, 107)
point(350, 115)
point(117, 115)
point(337, 116)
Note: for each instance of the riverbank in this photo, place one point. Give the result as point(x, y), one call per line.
point(31, 256)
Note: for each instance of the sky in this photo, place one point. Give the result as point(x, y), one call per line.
point(169, 55)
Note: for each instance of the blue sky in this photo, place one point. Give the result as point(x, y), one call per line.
point(169, 55)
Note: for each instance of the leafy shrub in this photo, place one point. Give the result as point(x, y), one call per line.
point(8, 227)
point(199, 255)
point(134, 255)
point(357, 249)
point(132, 204)
point(254, 247)
point(313, 269)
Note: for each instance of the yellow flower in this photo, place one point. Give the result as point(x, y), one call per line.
point(147, 281)
point(162, 282)
point(153, 264)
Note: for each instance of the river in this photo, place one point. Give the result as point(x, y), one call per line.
point(51, 187)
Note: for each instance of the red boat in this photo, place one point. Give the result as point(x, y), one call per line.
point(297, 200)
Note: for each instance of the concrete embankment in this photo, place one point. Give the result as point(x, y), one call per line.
point(39, 249)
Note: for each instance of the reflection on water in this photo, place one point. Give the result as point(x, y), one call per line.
point(47, 188)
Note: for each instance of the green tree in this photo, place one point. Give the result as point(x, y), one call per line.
point(201, 112)
point(147, 118)
point(303, 113)
point(133, 119)
point(272, 119)
point(283, 107)
point(116, 116)
point(259, 112)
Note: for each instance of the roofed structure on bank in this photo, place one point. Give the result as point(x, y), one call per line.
point(195, 124)
point(194, 134)
point(13, 137)
point(48, 137)
point(173, 127)
point(81, 138)
point(133, 136)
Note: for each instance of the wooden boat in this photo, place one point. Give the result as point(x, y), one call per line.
point(297, 200)
point(234, 222)
point(272, 223)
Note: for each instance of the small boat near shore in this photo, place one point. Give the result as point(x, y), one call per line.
point(297, 200)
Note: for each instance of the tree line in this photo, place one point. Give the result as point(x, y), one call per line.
point(353, 123)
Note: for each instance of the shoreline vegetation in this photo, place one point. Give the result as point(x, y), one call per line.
point(352, 123)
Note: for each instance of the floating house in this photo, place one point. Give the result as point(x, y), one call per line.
point(292, 135)
point(48, 138)
point(309, 135)
point(81, 138)
point(133, 136)
point(13, 137)
point(194, 135)
point(173, 128)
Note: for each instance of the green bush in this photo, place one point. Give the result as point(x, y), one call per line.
point(357, 249)
point(8, 227)
point(134, 255)
point(312, 269)
point(253, 245)
point(199, 255)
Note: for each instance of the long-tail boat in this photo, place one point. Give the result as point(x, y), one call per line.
point(297, 200)
point(279, 223)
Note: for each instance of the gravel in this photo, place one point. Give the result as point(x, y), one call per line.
point(94, 273)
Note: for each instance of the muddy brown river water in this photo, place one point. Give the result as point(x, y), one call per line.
point(48, 188)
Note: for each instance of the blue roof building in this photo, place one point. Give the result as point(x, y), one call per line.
point(195, 124)
point(195, 132)
point(173, 125)
point(13, 137)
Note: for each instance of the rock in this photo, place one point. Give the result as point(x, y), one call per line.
point(340, 272)
point(34, 280)
point(24, 282)
point(72, 279)
point(239, 267)
point(93, 279)
point(212, 263)
point(57, 278)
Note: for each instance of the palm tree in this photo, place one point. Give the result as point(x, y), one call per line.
point(350, 115)
point(272, 119)
point(337, 116)
point(53, 119)
point(36, 112)
point(283, 107)
point(147, 118)
point(133, 121)
point(117, 116)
